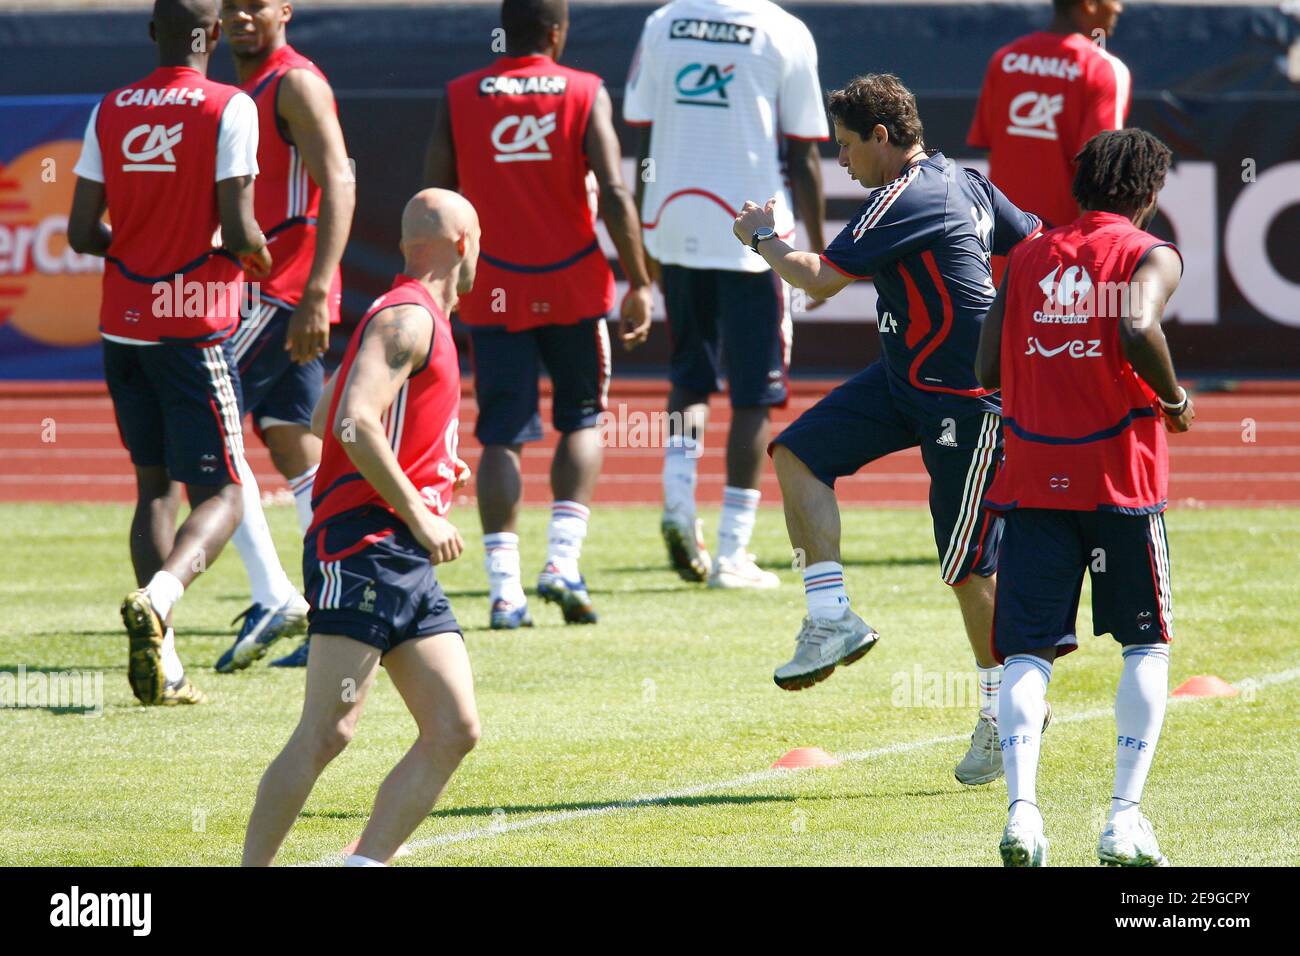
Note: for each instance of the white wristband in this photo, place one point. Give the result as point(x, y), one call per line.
point(1178, 407)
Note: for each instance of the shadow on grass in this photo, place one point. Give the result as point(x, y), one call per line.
point(592, 805)
point(894, 562)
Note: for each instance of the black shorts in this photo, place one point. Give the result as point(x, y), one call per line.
point(276, 389)
point(961, 445)
point(178, 406)
point(506, 367)
point(1040, 574)
point(367, 578)
point(728, 321)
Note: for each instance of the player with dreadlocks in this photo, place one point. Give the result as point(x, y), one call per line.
point(1074, 341)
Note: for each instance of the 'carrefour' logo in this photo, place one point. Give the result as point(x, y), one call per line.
point(528, 141)
point(704, 84)
point(158, 145)
point(1073, 288)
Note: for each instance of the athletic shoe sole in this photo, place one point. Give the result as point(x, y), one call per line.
point(145, 638)
point(574, 608)
point(803, 681)
point(1016, 854)
point(679, 555)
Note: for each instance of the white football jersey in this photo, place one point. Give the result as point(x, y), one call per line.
point(721, 83)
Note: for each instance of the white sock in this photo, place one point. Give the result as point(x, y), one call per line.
point(823, 586)
point(356, 859)
point(565, 536)
point(165, 589)
point(990, 679)
point(502, 565)
point(301, 488)
point(173, 669)
point(269, 585)
point(680, 458)
point(736, 527)
point(1139, 714)
point(1021, 705)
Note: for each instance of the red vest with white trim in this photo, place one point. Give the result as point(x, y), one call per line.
point(166, 277)
point(1083, 431)
point(421, 422)
point(287, 199)
point(519, 128)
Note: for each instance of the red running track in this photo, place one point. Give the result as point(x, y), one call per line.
point(58, 442)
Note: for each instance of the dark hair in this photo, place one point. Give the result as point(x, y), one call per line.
point(527, 22)
point(878, 99)
point(1063, 6)
point(1118, 169)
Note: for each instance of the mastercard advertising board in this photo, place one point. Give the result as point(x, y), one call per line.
point(49, 295)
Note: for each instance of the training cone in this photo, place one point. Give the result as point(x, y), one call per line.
point(1205, 685)
point(351, 848)
point(801, 758)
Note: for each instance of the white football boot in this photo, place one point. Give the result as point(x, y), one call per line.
point(741, 572)
point(983, 761)
point(821, 646)
point(1023, 844)
point(1130, 845)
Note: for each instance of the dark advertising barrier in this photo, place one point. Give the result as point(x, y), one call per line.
point(1211, 81)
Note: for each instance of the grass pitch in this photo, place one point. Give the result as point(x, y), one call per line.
point(647, 739)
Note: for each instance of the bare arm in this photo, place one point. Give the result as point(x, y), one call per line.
point(621, 219)
point(803, 270)
point(440, 157)
point(306, 104)
point(394, 344)
point(322, 409)
point(87, 232)
point(1142, 338)
point(988, 357)
point(805, 166)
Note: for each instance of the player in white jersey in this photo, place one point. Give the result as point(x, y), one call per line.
point(730, 103)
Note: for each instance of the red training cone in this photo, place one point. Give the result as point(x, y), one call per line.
point(1205, 685)
point(802, 758)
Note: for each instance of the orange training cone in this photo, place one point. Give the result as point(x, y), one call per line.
point(802, 758)
point(1205, 685)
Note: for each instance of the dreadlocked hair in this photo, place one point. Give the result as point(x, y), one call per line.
point(1118, 169)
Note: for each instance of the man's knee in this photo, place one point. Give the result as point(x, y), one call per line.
point(455, 737)
point(327, 741)
point(293, 449)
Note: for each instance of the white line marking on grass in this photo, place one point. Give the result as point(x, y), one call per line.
point(760, 776)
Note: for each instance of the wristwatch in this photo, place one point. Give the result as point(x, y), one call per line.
point(767, 232)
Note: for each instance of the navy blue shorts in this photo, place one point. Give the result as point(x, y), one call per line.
point(1040, 573)
point(178, 406)
point(277, 390)
point(368, 578)
point(961, 445)
point(728, 321)
point(506, 366)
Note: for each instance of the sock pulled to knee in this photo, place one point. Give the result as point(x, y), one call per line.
point(736, 527)
point(301, 488)
point(1140, 703)
point(564, 537)
point(1022, 704)
point(679, 477)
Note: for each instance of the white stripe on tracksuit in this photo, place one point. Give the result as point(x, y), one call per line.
point(1164, 593)
point(972, 497)
point(331, 591)
point(394, 417)
point(223, 390)
point(249, 330)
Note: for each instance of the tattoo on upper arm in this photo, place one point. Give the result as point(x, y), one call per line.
point(399, 342)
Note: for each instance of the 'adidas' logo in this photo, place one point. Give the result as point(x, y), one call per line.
point(946, 440)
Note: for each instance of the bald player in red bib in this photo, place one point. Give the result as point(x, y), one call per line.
point(531, 144)
point(1088, 391)
point(171, 158)
point(305, 197)
point(1044, 96)
point(388, 471)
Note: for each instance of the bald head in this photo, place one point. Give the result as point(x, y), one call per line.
point(440, 235)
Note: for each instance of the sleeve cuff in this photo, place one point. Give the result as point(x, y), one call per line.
point(843, 272)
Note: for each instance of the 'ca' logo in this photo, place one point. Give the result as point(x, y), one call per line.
point(529, 140)
point(159, 145)
point(1073, 288)
point(1034, 114)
